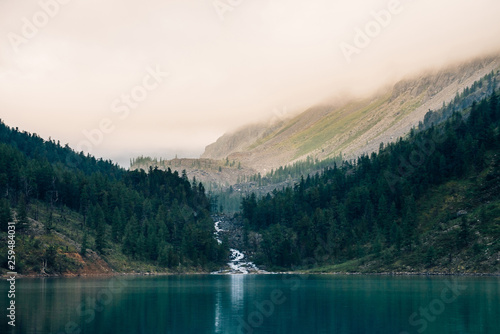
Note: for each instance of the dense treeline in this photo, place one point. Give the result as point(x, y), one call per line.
point(361, 207)
point(35, 147)
point(293, 171)
point(156, 216)
point(228, 200)
point(476, 92)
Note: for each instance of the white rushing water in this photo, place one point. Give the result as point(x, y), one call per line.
point(236, 264)
point(217, 230)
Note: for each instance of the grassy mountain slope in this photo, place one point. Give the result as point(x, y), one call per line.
point(354, 127)
point(58, 250)
point(428, 203)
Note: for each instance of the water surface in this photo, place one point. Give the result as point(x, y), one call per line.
point(256, 304)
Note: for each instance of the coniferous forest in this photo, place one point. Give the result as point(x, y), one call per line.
point(392, 205)
point(248, 167)
point(158, 217)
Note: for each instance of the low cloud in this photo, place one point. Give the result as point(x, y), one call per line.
point(224, 72)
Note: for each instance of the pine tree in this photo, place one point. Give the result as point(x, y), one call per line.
point(382, 213)
point(5, 214)
point(167, 257)
point(409, 223)
point(430, 256)
point(397, 236)
point(100, 226)
point(50, 222)
point(84, 246)
point(141, 246)
point(22, 215)
point(116, 225)
point(51, 256)
point(100, 236)
point(132, 231)
point(463, 235)
point(152, 240)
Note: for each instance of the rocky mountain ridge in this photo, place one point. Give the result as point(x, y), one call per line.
point(352, 128)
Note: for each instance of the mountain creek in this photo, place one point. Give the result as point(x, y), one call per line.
point(238, 263)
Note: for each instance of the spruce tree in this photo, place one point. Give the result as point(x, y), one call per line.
point(131, 235)
point(100, 237)
point(463, 235)
point(100, 226)
point(116, 225)
point(22, 214)
point(5, 214)
point(84, 246)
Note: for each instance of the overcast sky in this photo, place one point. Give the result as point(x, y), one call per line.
point(89, 64)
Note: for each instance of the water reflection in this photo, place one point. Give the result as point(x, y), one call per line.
point(216, 303)
point(237, 292)
point(218, 308)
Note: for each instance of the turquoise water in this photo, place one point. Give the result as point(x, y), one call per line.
point(256, 304)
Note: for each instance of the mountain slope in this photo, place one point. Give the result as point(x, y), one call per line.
point(429, 202)
point(64, 203)
point(353, 127)
point(213, 174)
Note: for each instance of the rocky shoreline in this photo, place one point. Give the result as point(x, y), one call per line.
point(103, 275)
point(114, 274)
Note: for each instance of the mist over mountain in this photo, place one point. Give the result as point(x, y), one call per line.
point(236, 150)
point(353, 126)
point(223, 73)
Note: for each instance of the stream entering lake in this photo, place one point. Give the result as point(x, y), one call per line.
point(237, 263)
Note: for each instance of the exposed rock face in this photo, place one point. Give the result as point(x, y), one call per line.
point(237, 141)
point(351, 128)
point(208, 171)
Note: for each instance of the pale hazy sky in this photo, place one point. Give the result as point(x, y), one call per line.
point(70, 66)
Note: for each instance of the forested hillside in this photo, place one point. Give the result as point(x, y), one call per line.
point(262, 183)
point(429, 202)
point(158, 218)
